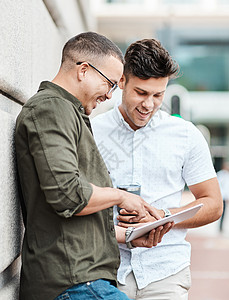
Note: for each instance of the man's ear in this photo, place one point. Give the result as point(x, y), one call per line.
point(122, 82)
point(82, 71)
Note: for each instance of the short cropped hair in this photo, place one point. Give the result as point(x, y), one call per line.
point(147, 58)
point(88, 46)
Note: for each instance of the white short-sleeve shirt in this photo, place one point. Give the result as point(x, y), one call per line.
point(162, 157)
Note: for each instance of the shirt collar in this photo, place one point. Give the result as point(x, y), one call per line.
point(119, 118)
point(61, 92)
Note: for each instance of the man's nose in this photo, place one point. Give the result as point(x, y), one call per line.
point(148, 103)
point(108, 95)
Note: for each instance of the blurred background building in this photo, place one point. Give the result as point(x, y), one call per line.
point(196, 33)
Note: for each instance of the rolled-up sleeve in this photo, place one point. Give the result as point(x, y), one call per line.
point(54, 131)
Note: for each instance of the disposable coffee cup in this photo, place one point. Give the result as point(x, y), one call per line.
point(130, 188)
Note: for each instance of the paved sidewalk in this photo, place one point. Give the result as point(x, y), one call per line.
point(210, 261)
point(209, 267)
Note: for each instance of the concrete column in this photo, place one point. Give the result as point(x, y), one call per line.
point(11, 227)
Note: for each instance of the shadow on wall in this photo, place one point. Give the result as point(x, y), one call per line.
point(11, 226)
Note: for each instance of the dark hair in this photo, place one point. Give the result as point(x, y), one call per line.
point(147, 58)
point(89, 46)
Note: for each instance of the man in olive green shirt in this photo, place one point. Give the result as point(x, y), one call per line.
point(70, 246)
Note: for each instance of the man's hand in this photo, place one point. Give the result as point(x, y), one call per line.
point(153, 238)
point(127, 217)
point(137, 207)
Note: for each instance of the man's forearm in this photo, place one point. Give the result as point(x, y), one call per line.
point(208, 193)
point(101, 198)
point(120, 234)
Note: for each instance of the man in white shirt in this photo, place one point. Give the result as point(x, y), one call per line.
point(142, 144)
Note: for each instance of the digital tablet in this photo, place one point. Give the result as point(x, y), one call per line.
point(176, 218)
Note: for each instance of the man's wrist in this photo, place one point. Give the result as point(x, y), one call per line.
point(167, 212)
point(127, 234)
point(119, 195)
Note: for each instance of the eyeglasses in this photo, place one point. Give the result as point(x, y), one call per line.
point(113, 85)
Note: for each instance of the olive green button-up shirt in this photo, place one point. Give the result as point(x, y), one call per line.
point(57, 160)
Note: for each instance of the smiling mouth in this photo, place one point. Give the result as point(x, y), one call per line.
point(99, 100)
point(144, 113)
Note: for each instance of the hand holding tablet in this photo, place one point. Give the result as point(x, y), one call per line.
point(176, 218)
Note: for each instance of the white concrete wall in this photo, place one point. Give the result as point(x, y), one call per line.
point(32, 36)
point(10, 215)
